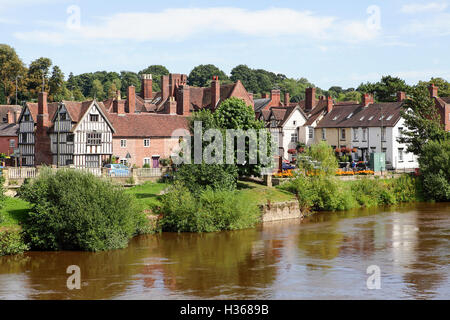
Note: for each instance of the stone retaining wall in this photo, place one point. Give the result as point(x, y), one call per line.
point(281, 211)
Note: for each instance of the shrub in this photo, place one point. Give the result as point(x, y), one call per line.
point(74, 210)
point(12, 242)
point(146, 166)
point(2, 193)
point(197, 177)
point(207, 211)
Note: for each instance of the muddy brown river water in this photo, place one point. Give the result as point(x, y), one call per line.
point(324, 257)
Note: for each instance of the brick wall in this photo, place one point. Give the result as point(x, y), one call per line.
point(135, 147)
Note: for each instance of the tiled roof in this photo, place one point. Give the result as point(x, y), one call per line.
point(446, 99)
point(8, 129)
point(4, 109)
point(260, 104)
point(355, 115)
point(33, 107)
point(147, 124)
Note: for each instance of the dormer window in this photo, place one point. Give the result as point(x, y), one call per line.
point(335, 118)
point(381, 118)
point(350, 115)
point(370, 119)
point(63, 116)
point(389, 118)
point(362, 118)
point(274, 123)
point(26, 118)
point(93, 117)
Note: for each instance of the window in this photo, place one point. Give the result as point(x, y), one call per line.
point(355, 134)
point(400, 154)
point(364, 135)
point(5, 119)
point(123, 143)
point(311, 132)
point(147, 161)
point(335, 118)
point(26, 117)
point(342, 134)
point(381, 118)
point(362, 118)
point(62, 116)
point(350, 115)
point(92, 161)
point(273, 123)
point(384, 150)
point(24, 138)
point(370, 119)
point(70, 137)
point(294, 123)
point(94, 139)
point(12, 143)
point(146, 142)
point(383, 133)
point(93, 117)
point(123, 161)
point(294, 136)
point(324, 134)
point(389, 118)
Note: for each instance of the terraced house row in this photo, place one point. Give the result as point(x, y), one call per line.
point(146, 127)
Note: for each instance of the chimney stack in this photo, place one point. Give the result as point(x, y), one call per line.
point(42, 103)
point(184, 101)
point(433, 90)
point(329, 104)
point(171, 106)
point(275, 98)
point(164, 87)
point(367, 99)
point(215, 92)
point(131, 99)
point(401, 95)
point(147, 87)
point(16, 116)
point(43, 153)
point(287, 99)
point(265, 96)
point(10, 117)
point(310, 102)
point(118, 95)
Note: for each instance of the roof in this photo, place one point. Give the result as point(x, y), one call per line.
point(5, 108)
point(260, 104)
point(8, 129)
point(147, 124)
point(33, 107)
point(356, 115)
point(281, 114)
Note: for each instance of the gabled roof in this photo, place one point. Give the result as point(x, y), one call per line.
point(147, 124)
point(260, 104)
point(356, 115)
point(281, 114)
point(5, 108)
point(33, 108)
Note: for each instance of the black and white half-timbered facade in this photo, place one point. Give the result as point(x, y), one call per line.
point(26, 136)
point(81, 135)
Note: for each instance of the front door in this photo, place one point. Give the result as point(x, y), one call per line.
point(155, 162)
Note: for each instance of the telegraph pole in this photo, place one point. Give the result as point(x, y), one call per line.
point(16, 86)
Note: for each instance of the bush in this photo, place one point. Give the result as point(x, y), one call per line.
point(2, 193)
point(74, 210)
point(197, 177)
point(207, 211)
point(12, 242)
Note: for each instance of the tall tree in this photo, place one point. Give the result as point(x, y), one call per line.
point(386, 89)
point(442, 84)
point(10, 67)
point(422, 120)
point(129, 78)
point(38, 72)
point(56, 85)
point(97, 90)
point(201, 74)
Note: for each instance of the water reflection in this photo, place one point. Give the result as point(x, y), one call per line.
point(325, 256)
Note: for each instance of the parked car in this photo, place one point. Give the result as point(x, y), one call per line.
point(287, 166)
point(117, 170)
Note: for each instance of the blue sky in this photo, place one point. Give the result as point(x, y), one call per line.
point(328, 42)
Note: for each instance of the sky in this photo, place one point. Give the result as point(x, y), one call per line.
point(330, 43)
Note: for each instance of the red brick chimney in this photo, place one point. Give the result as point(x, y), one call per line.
point(42, 140)
point(147, 87)
point(329, 104)
point(184, 101)
point(118, 95)
point(310, 101)
point(433, 90)
point(119, 106)
point(16, 116)
point(171, 106)
point(265, 96)
point(131, 99)
point(215, 92)
point(287, 99)
point(10, 117)
point(164, 87)
point(275, 98)
point(367, 99)
point(401, 95)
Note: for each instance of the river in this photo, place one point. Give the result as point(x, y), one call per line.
point(325, 256)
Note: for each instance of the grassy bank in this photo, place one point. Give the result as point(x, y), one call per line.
point(13, 213)
point(148, 195)
point(260, 194)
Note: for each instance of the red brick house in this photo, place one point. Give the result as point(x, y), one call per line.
point(443, 106)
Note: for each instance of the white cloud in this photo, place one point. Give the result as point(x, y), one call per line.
point(181, 24)
point(428, 7)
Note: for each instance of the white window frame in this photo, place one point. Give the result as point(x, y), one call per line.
point(123, 143)
point(147, 161)
point(148, 145)
point(355, 134)
point(364, 134)
point(400, 155)
point(342, 133)
point(311, 132)
point(294, 136)
point(12, 143)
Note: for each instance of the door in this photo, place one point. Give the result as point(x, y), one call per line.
point(155, 162)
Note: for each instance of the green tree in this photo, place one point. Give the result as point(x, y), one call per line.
point(422, 121)
point(10, 67)
point(38, 68)
point(56, 85)
point(129, 78)
point(201, 74)
point(156, 71)
point(442, 84)
point(386, 89)
point(97, 90)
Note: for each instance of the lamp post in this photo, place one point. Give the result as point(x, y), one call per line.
point(16, 86)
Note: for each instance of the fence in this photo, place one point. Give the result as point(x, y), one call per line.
point(12, 173)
